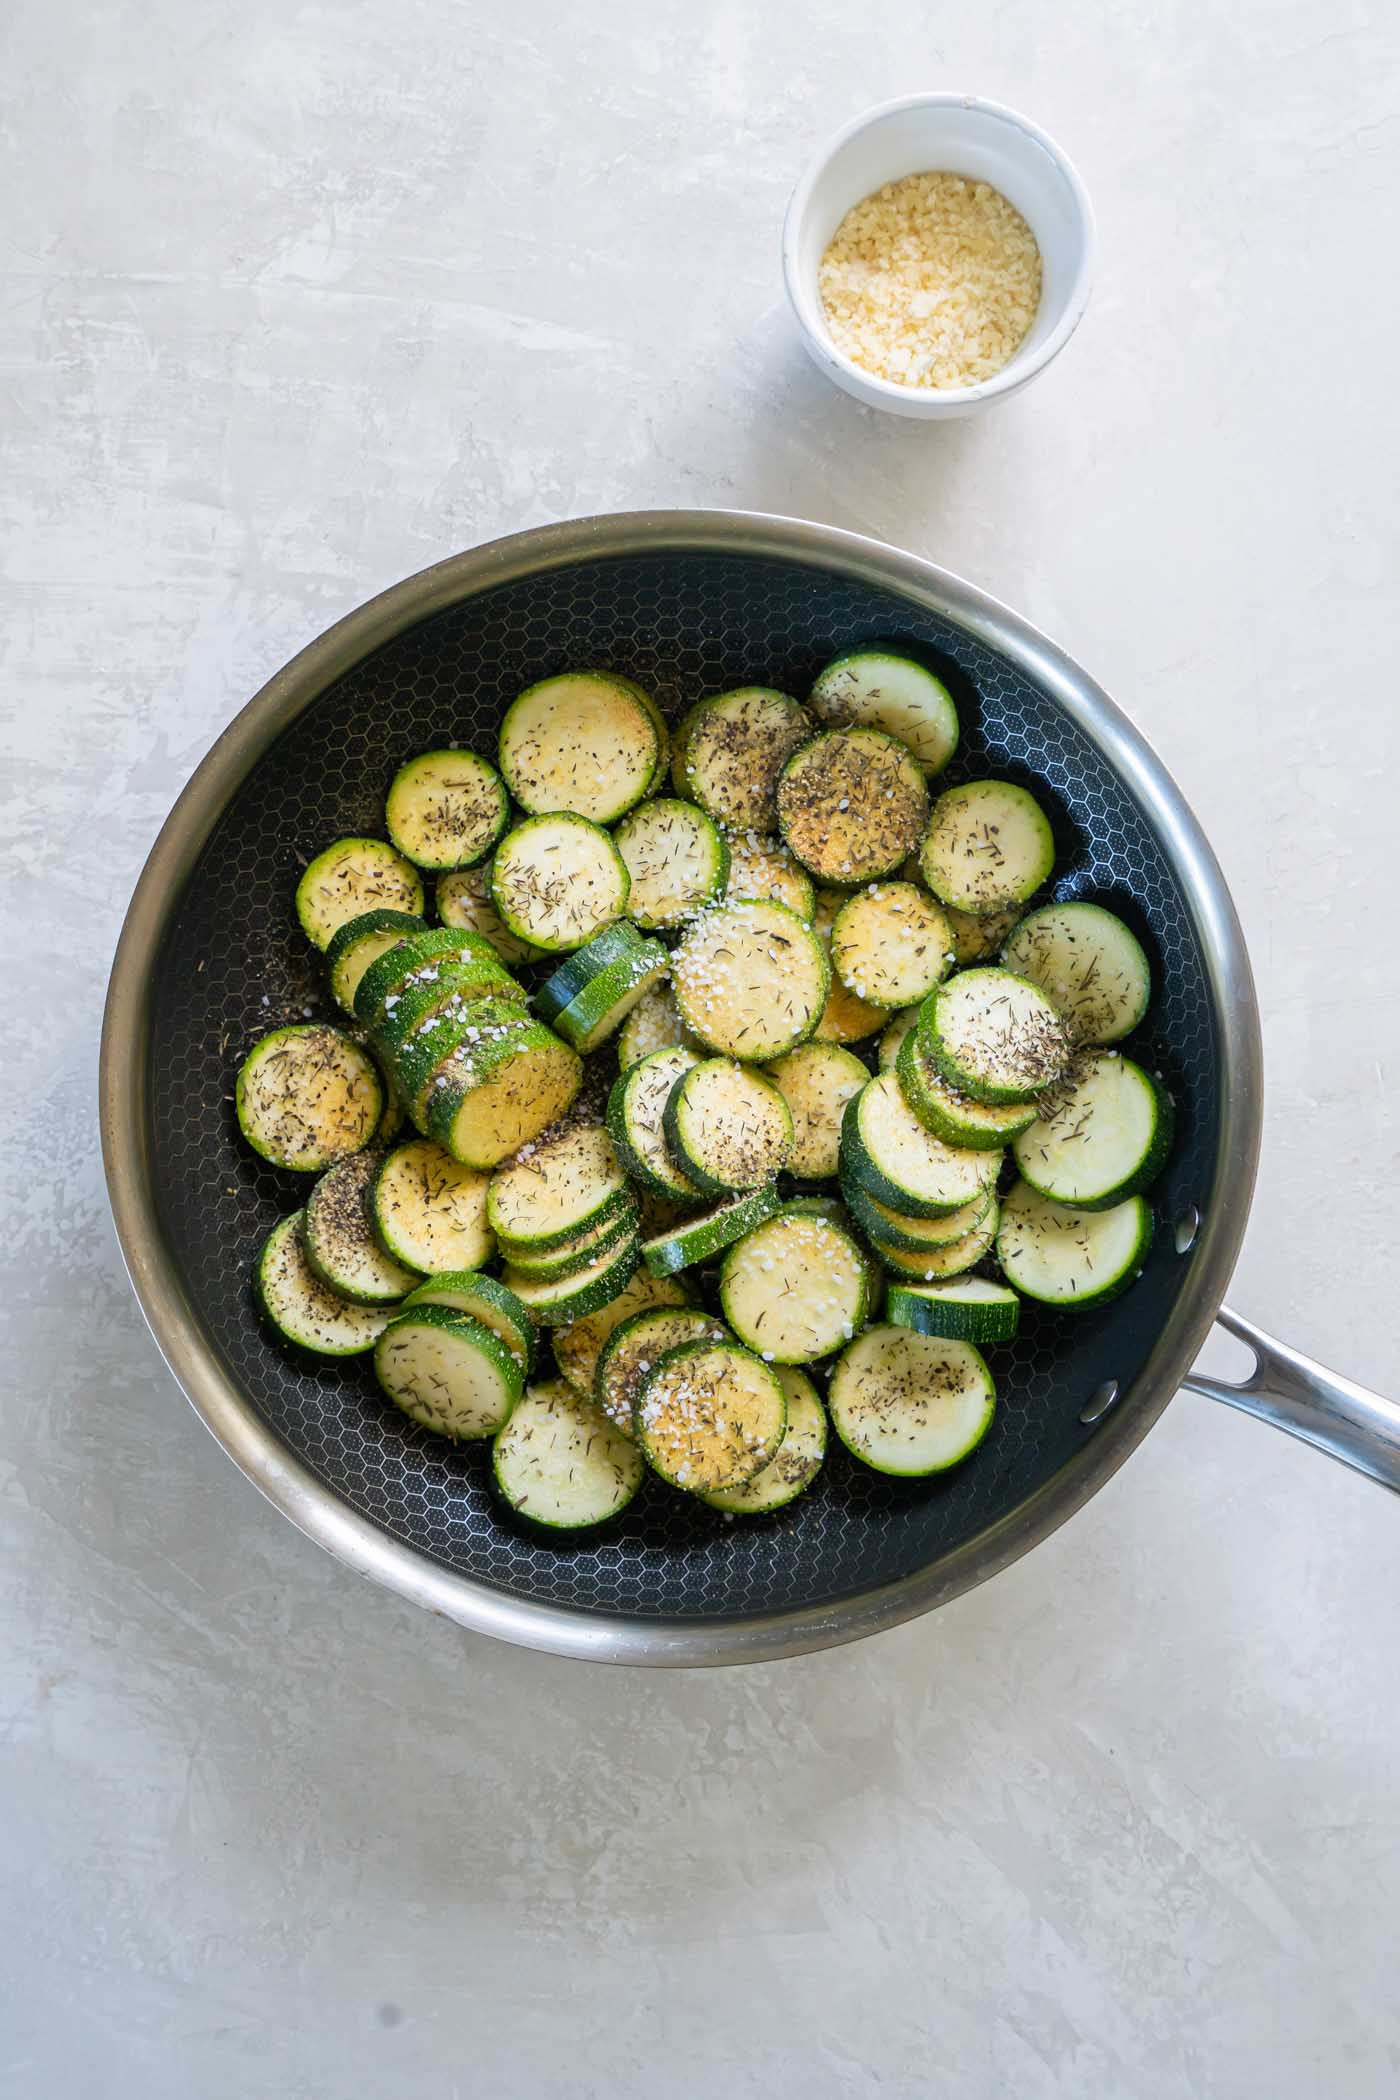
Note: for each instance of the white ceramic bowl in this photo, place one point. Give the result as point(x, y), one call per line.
point(962, 135)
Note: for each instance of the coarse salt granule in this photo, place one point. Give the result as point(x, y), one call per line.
point(933, 281)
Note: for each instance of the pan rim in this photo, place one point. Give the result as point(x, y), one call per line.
point(196, 1364)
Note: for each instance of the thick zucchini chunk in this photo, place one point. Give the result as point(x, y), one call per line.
point(500, 1088)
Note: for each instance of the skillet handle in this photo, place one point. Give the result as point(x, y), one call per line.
point(1311, 1402)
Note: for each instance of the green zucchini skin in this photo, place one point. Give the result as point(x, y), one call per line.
point(379, 930)
point(1017, 1248)
point(716, 1161)
point(561, 1466)
point(1043, 1051)
point(993, 1315)
point(686, 1244)
point(487, 1299)
point(300, 1309)
point(978, 1126)
point(1133, 1174)
point(440, 945)
point(544, 900)
point(298, 1061)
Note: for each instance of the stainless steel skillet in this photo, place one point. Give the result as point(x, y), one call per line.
point(686, 602)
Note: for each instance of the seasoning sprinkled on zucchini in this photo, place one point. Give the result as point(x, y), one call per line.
point(558, 880)
point(730, 750)
point(350, 878)
point(562, 1465)
point(852, 805)
point(988, 846)
point(883, 689)
point(589, 742)
point(446, 809)
point(307, 1096)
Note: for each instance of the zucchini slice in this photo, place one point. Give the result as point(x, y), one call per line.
point(890, 944)
point(696, 1239)
point(970, 1309)
point(350, 878)
point(582, 1251)
point(982, 1126)
point(892, 1040)
point(763, 867)
point(560, 1464)
point(359, 942)
point(307, 1096)
point(795, 1288)
point(338, 1233)
point(817, 1080)
point(605, 1002)
point(995, 1036)
point(632, 1350)
point(464, 904)
point(676, 860)
point(1071, 1257)
point(415, 958)
point(887, 1227)
point(442, 987)
point(844, 1018)
point(487, 1300)
point(578, 1346)
point(557, 880)
point(728, 1128)
point(988, 845)
point(750, 979)
point(910, 1404)
point(1088, 964)
point(588, 742)
point(933, 1264)
point(636, 1120)
point(560, 1300)
point(573, 973)
point(852, 805)
point(710, 1415)
point(732, 747)
point(563, 1184)
point(430, 1211)
point(654, 1024)
point(420, 1059)
point(500, 1088)
point(1101, 1135)
point(446, 809)
point(976, 939)
point(799, 1457)
point(292, 1298)
point(882, 689)
point(886, 1150)
point(448, 1372)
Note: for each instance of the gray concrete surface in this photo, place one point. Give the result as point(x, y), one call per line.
point(295, 300)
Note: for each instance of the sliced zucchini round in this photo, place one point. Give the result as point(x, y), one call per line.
point(890, 944)
point(558, 880)
point(464, 904)
point(292, 1298)
point(562, 1184)
point(728, 1128)
point(988, 846)
point(654, 1024)
point(575, 971)
point(933, 1264)
point(359, 942)
point(710, 1415)
point(795, 1288)
point(446, 809)
point(636, 1120)
point(1102, 1135)
point(852, 805)
point(817, 1080)
point(486, 1299)
point(696, 1239)
point(1088, 964)
point(558, 1301)
point(982, 1126)
point(589, 742)
point(883, 689)
point(339, 1237)
point(446, 987)
point(582, 1251)
point(415, 958)
point(886, 1150)
point(634, 1348)
point(429, 1210)
point(1071, 1257)
point(605, 1002)
point(970, 1309)
point(307, 1096)
point(560, 1464)
point(994, 1035)
point(893, 1038)
point(421, 1059)
point(910, 1404)
point(798, 1459)
point(447, 1372)
point(501, 1087)
point(976, 939)
point(350, 878)
point(887, 1227)
point(750, 979)
point(763, 867)
point(578, 1346)
point(731, 748)
point(676, 858)
point(844, 1018)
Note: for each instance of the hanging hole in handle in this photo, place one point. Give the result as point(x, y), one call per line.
point(1187, 1227)
point(1099, 1402)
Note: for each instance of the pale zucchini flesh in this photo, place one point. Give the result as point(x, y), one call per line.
point(852, 805)
point(1088, 964)
point(731, 749)
point(995, 1036)
point(845, 1018)
point(888, 1151)
point(307, 1096)
point(359, 942)
point(1101, 1135)
point(637, 1120)
point(727, 1126)
point(561, 1184)
point(891, 944)
point(446, 809)
point(556, 881)
point(710, 1415)
point(633, 1350)
point(676, 860)
point(817, 1080)
point(294, 1301)
point(910, 1404)
point(350, 878)
point(561, 1464)
point(795, 1288)
point(589, 742)
point(447, 1372)
point(1067, 1257)
point(881, 689)
point(578, 1346)
point(798, 1459)
point(890, 1042)
point(487, 1299)
point(654, 1023)
point(430, 1211)
point(464, 903)
point(763, 868)
point(750, 979)
point(341, 1244)
point(988, 846)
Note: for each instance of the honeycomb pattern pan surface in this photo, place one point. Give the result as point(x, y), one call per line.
point(233, 964)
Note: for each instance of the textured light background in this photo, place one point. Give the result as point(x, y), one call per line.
point(299, 297)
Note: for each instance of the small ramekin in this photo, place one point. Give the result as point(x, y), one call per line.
point(962, 135)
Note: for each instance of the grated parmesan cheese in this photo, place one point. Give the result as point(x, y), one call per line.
point(933, 281)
